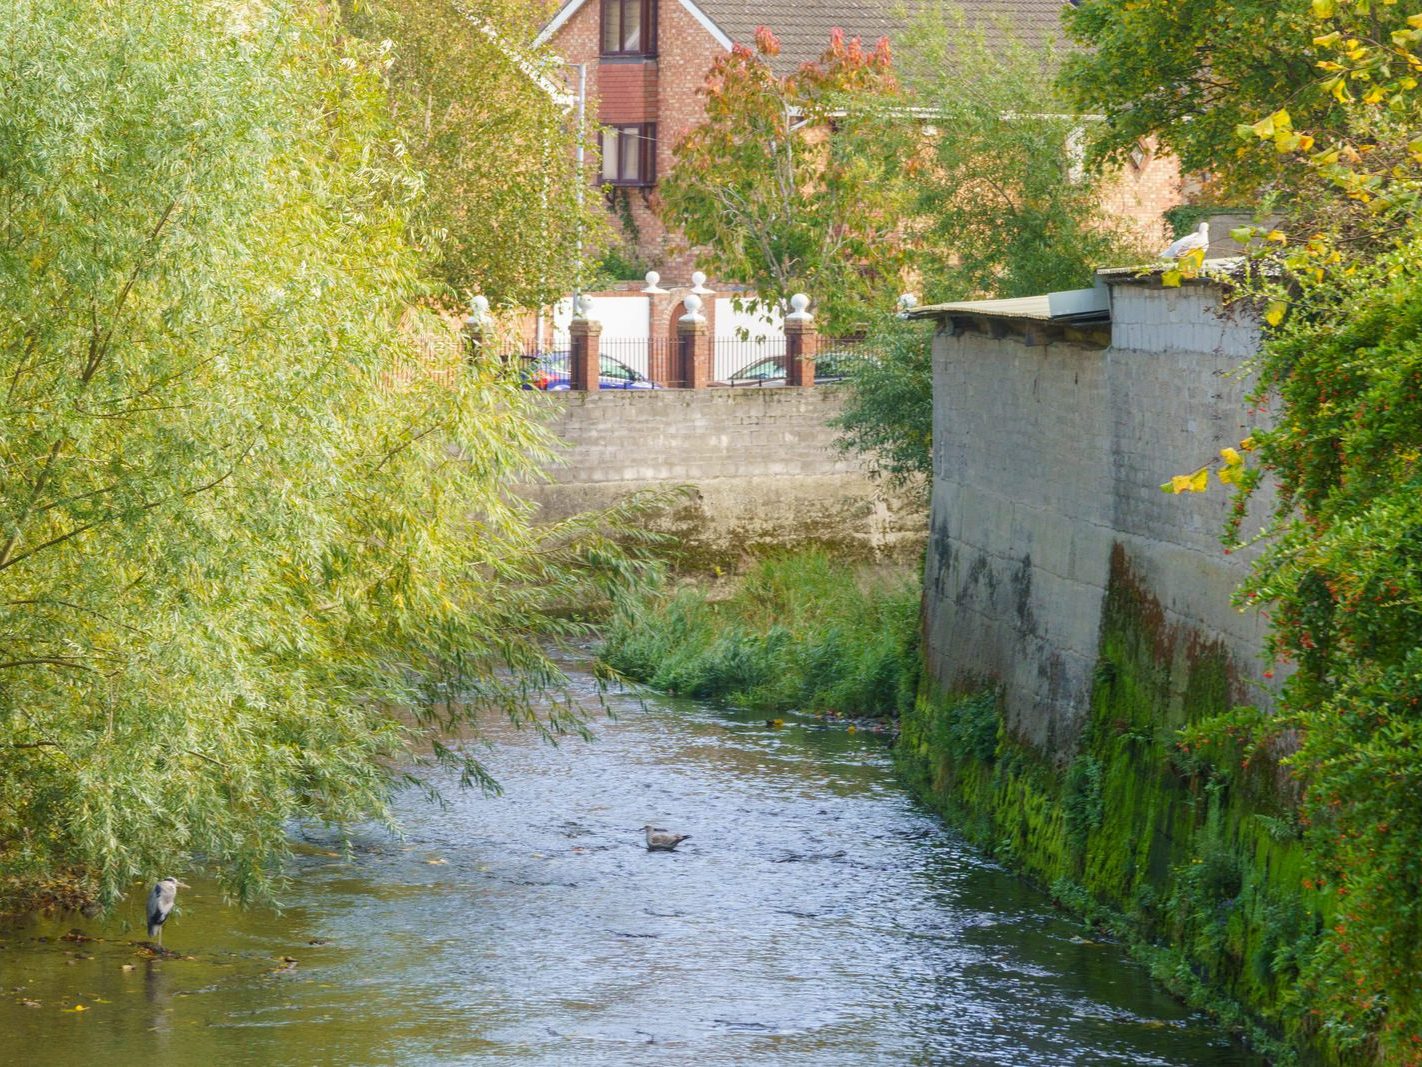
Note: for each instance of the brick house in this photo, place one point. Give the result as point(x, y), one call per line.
point(646, 60)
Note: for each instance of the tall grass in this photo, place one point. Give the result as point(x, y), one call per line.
point(800, 631)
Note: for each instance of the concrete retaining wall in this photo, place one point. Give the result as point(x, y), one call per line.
point(1048, 458)
point(761, 466)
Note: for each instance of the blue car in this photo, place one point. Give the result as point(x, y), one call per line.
point(552, 373)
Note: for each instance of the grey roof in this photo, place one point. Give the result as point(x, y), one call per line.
point(804, 26)
point(1073, 305)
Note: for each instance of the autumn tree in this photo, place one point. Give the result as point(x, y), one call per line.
point(240, 524)
point(785, 187)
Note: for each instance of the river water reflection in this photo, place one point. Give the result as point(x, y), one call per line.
point(816, 917)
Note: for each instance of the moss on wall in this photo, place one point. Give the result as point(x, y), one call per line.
point(1190, 852)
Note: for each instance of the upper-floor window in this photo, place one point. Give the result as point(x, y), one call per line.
point(629, 154)
point(629, 27)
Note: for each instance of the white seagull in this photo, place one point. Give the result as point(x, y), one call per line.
point(1200, 239)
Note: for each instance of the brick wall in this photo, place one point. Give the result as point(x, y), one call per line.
point(664, 91)
point(1049, 458)
point(1138, 195)
point(760, 463)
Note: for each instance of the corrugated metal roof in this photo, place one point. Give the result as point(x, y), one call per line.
point(1069, 306)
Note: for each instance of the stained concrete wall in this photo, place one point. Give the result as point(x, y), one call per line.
point(760, 466)
point(1047, 458)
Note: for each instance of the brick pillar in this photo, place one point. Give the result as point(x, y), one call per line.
point(586, 361)
point(694, 346)
point(661, 335)
point(802, 342)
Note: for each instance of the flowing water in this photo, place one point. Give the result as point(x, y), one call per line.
point(815, 917)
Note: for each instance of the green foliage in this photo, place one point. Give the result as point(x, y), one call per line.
point(1003, 203)
point(1189, 74)
point(888, 408)
point(494, 147)
point(1082, 804)
point(778, 201)
point(241, 520)
point(798, 632)
point(1342, 574)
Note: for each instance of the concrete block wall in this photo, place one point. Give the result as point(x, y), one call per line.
point(1049, 458)
point(760, 465)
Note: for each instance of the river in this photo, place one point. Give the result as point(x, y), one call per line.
point(816, 916)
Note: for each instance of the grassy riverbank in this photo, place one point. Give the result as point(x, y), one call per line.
point(799, 631)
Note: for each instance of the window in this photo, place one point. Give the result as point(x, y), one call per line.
point(629, 27)
point(629, 154)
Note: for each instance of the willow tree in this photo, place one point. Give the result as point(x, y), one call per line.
point(491, 125)
point(239, 520)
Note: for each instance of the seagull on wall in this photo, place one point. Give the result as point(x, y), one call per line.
point(1191, 242)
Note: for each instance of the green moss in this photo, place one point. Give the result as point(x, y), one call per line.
point(1192, 856)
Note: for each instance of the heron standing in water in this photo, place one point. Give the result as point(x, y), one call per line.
point(160, 905)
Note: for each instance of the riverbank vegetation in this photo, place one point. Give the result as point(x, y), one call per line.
point(800, 631)
point(242, 514)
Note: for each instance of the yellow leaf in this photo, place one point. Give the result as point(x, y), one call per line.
point(1172, 278)
point(1274, 314)
point(1415, 21)
point(1230, 456)
point(1249, 444)
point(1328, 39)
point(1230, 475)
point(1324, 9)
point(1277, 236)
point(1200, 480)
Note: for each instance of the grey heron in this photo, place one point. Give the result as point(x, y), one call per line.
point(160, 905)
point(659, 840)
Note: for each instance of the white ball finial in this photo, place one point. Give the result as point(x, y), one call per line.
point(478, 310)
point(653, 283)
point(584, 305)
point(698, 282)
point(798, 305)
point(692, 303)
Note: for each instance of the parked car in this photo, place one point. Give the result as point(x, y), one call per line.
point(552, 372)
point(770, 371)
